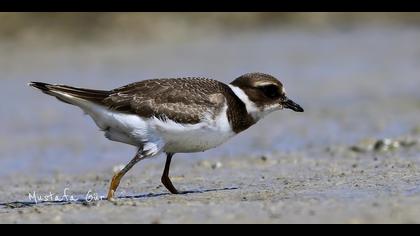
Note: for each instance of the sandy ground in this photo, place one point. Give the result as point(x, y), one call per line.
point(337, 185)
point(352, 157)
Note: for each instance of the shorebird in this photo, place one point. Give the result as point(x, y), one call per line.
point(175, 115)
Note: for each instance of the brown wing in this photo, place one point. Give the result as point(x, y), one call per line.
point(184, 100)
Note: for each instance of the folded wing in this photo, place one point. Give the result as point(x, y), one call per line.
point(185, 100)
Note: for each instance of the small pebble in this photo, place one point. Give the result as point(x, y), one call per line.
point(216, 165)
point(38, 211)
point(358, 149)
point(386, 145)
point(264, 158)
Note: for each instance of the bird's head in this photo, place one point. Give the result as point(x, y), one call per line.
point(262, 94)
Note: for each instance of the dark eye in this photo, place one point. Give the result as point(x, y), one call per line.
point(271, 91)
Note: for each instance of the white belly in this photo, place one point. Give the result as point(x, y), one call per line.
point(193, 138)
point(156, 136)
point(182, 138)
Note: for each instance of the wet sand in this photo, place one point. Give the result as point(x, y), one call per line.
point(331, 164)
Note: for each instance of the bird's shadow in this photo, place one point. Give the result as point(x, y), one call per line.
point(90, 202)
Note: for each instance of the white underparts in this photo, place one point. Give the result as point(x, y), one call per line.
point(158, 135)
point(207, 134)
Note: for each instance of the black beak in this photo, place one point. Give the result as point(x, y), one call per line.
point(289, 104)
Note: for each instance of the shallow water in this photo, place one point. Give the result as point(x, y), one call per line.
point(354, 84)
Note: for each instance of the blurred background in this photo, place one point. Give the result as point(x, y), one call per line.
point(356, 74)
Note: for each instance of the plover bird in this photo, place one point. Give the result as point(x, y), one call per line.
point(177, 115)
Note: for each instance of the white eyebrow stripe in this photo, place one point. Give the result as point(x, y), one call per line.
point(264, 84)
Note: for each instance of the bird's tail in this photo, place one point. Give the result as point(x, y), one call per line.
point(71, 95)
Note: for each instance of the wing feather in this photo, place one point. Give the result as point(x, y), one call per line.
point(184, 100)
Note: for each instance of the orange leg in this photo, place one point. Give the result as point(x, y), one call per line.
point(117, 177)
